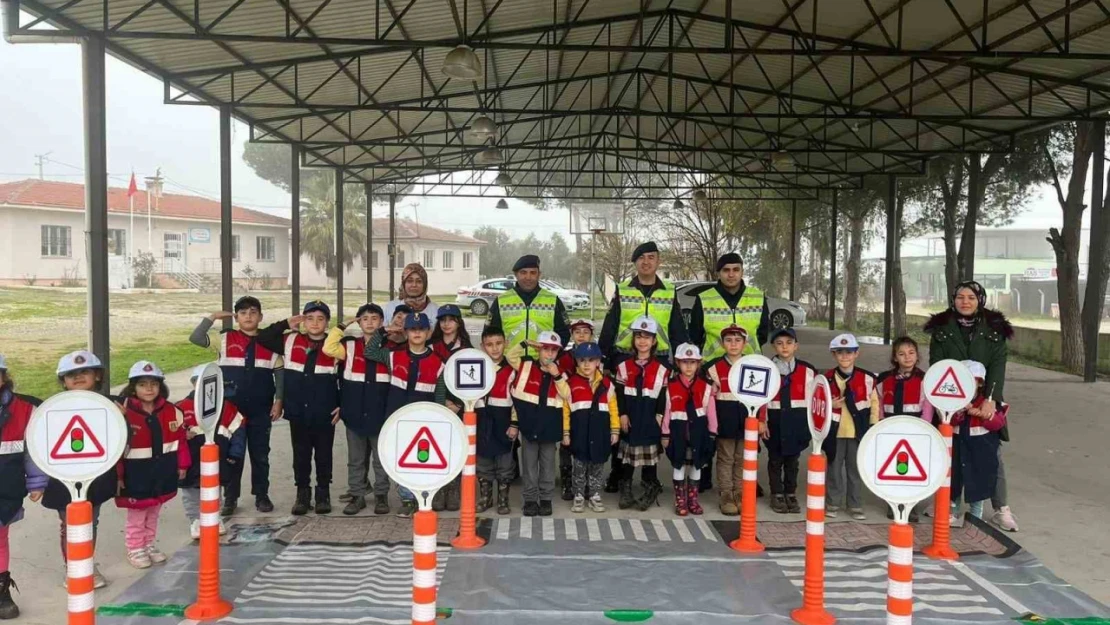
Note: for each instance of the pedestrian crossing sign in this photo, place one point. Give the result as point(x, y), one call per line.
point(902, 465)
point(423, 453)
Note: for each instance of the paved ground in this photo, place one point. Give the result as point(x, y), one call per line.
point(1056, 466)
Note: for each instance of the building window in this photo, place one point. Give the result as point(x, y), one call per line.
point(235, 247)
point(374, 259)
point(264, 247)
point(173, 245)
point(400, 259)
point(429, 259)
point(117, 242)
point(468, 260)
point(448, 260)
point(56, 241)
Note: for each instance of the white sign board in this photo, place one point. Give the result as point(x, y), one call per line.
point(949, 386)
point(75, 436)
point(755, 380)
point(208, 399)
point(819, 410)
point(903, 460)
point(469, 374)
point(423, 446)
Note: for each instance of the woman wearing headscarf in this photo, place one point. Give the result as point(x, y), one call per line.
point(414, 293)
point(969, 330)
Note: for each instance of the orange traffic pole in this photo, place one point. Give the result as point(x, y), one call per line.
point(424, 568)
point(941, 549)
point(79, 563)
point(468, 537)
point(747, 542)
point(899, 566)
point(813, 610)
point(209, 605)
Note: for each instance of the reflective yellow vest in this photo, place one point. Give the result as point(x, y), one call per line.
point(634, 305)
point(524, 322)
point(717, 316)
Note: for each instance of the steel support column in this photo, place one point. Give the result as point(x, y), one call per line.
point(227, 284)
point(888, 280)
point(369, 189)
point(793, 246)
point(96, 199)
point(295, 235)
point(392, 245)
point(832, 264)
point(340, 254)
point(1097, 258)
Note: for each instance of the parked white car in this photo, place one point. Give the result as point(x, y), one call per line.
point(479, 297)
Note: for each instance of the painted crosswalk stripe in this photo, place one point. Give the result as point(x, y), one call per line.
point(638, 530)
point(548, 524)
point(615, 529)
point(683, 533)
point(661, 530)
point(593, 530)
point(917, 607)
point(571, 528)
point(800, 583)
point(526, 527)
point(706, 529)
point(503, 526)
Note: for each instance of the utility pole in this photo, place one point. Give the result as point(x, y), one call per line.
point(39, 160)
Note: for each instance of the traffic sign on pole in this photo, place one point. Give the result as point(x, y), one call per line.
point(423, 447)
point(949, 386)
point(903, 460)
point(208, 397)
point(469, 375)
point(75, 436)
point(755, 380)
point(819, 411)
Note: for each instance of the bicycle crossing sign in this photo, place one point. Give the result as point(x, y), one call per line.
point(948, 386)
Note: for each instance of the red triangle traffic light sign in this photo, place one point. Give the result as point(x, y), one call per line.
point(77, 442)
point(902, 465)
point(949, 386)
point(423, 453)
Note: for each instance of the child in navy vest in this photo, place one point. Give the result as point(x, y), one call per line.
point(975, 444)
point(787, 433)
point(855, 408)
point(689, 424)
point(539, 413)
point(640, 381)
point(581, 331)
point(591, 424)
point(497, 427)
point(19, 477)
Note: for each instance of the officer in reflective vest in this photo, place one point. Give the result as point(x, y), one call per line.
point(527, 309)
point(729, 302)
point(645, 294)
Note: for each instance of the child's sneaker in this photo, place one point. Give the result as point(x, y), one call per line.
point(531, 508)
point(194, 529)
point(156, 556)
point(792, 505)
point(223, 528)
point(857, 514)
point(579, 504)
point(595, 503)
point(408, 508)
point(778, 503)
point(1004, 519)
point(830, 511)
point(99, 581)
point(139, 558)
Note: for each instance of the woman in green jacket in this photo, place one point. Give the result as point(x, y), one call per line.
point(968, 330)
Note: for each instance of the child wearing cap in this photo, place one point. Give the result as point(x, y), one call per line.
point(689, 424)
point(156, 457)
point(539, 411)
point(449, 335)
point(975, 443)
point(581, 331)
point(730, 419)
point(640, 381)
point(855, 408)
point(253, 379)
point(82, 371)
point(787, 433)
point(231, 438)
point(19, 477)
point(415, 374)
point(311, 400)
point(362, 392)
point(591, 424)
point(497, 427)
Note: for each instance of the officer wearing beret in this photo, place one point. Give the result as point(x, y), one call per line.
point(526, 310)
point(729, 302)
point(645, 294)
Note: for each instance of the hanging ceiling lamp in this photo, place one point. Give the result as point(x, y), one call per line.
point(502, 204)
point(503, 180)
point(700, 196)
point(678, 205)
point(483, 127)
point(782, 160)
point(489, 156)
point(462, 63)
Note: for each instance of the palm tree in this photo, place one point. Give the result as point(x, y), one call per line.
point(318, 223)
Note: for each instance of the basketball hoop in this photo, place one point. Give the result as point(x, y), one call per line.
point(594, 218)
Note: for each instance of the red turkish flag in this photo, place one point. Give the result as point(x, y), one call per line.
point(132, 188)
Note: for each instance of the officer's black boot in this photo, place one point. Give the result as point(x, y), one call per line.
point(301, 506)
point(323, 500)
point(8, 608)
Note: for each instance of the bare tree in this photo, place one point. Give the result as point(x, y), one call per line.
point(701, 230)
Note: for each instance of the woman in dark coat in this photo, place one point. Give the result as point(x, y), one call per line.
point(969, 330)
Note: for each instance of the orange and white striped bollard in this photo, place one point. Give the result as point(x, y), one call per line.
point(813, 610)
point(941, 548)
point(424, 568)
point(899, 566)
point(747, 542)
point(81, 603)
point(468, 526)
point(209, 605)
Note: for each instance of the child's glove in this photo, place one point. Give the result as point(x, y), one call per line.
point(566, 440)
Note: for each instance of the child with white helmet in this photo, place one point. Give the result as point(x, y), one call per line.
point(689, 426)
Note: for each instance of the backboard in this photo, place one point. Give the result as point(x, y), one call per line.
point(596, 218)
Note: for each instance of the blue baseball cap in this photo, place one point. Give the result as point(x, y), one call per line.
point(587, 350)
point(448, 310)
point(317, 305)
point(784, 332)
point(417, 321)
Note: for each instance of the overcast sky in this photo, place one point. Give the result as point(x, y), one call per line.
point(40, 112)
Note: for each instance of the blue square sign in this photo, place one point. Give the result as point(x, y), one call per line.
point(754, 381)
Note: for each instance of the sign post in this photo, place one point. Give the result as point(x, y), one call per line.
point(469, 375)
point(756, 382)
point(423, 447)
point(208, 398)
point(949, 387)
point(819, 411)
point(74, 437)
point(903, 460)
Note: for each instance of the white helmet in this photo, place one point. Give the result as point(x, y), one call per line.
point(687, 351)
point(75, 361)
point(145, 369)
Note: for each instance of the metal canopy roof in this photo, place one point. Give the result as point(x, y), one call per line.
point(596, 97)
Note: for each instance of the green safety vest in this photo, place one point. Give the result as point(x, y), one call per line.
point(524, 322)
point(635, 305)
point(717, 316)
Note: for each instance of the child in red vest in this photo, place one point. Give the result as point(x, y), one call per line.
point(497, 427)
point(581, 331)
point(787, 433)
point(156, 457)
point(900, 388)
point(591, 424)
point(640, 381)
point(730, 420)
point(689, 425)
point(19, 477)
point(975, 446)
point(539, 413)
point(231, 438)
point(855, 408)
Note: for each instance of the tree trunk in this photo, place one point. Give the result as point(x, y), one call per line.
point(852, 269)
point(898, 295)
point(975, 191)
point(1098, 259)
point(951, 196)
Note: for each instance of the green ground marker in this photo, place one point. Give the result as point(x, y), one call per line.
point(444, 612)
point(1034, 619)
point(141, 609)
point(629, 616)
